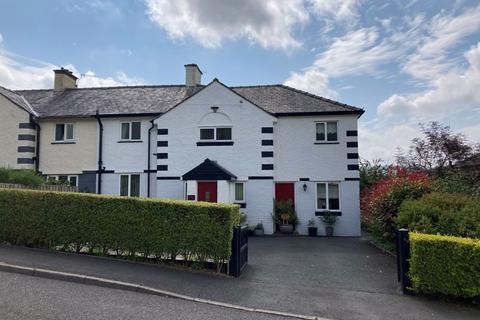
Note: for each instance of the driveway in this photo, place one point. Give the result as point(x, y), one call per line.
point(336, 278)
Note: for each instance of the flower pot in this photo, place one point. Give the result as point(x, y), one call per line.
point(258, 232)
point(312, 231)
point(286, 228)
point(329, 231)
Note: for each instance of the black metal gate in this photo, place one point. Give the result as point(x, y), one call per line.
point(403, 265)
point(239, 258)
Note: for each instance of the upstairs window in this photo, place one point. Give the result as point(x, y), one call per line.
point(215, 134)
point(64, 132)
point(131, 131)
point(326, 131)
point(328, 196)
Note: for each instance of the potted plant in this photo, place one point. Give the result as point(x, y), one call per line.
point(285, 216)
point(258, 231)
point(312, 230)
point(329, 219)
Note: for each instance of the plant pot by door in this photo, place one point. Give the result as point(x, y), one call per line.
point(312, 231)
point(286, 228)
point(329, 231)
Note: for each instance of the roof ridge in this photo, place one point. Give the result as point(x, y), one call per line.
point(320, 97)
point(257, 86)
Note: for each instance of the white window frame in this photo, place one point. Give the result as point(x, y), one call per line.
point(130, 131)
point(64, 132)
point(234, 193)
point(328, 196)
point(129, 184)
point(215, 138)
point(326, 136)
point(69, 176)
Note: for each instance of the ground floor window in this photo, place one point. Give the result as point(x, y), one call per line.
point(328, 196)
point(65, 179)
point(239, 192)
point(130, 185)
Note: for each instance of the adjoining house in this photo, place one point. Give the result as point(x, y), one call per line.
point(247, 145)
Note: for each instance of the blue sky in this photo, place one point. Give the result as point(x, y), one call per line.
point(403, 61)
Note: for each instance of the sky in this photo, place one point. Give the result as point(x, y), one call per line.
point(404, 62)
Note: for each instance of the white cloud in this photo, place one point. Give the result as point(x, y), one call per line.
point(381, 142)
point(312, 81)
point(450, 93)
point(90, 79)
point(432, 58)
point(17, 72)
point(338, 10)
point(269, 23)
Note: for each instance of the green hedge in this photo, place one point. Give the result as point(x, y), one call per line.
point(445, 265)
point(443, 213)
point(164, 228)
point(24, 176)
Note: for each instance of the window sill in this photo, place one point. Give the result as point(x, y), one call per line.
point(63, 142)
point(322, 213)
point(326, 142)
point(129, 141)
point(214, 143)
point(241, 204)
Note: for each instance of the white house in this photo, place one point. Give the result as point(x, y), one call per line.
point(246, 145)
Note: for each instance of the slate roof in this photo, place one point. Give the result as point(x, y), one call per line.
point(83, 102)
point(209, 170)
point(17, 99)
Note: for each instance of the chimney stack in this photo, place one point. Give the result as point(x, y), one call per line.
point(64, 79)
point(193, 75)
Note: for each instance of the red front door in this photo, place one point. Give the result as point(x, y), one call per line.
point(207, 191)
point(285, 191)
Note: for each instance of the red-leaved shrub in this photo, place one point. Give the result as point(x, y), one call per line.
point(379, 203)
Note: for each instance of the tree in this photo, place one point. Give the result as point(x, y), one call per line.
point(371, 172)
point(439, 148)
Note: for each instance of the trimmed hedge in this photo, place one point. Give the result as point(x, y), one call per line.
point(443, 213)
point(445, 265)
point(164, 228)
point(23, 176)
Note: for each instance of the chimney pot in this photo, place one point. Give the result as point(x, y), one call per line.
point(64, 79)
point(193, 75)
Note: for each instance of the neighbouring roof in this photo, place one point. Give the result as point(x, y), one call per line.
point(17, 99)
point(82, 102)
point(209, 170)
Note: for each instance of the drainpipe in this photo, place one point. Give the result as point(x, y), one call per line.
point(100, 153)
point(37, 148)
point(148, 158)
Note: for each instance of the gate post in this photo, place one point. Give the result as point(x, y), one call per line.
point(234, 263)
point(403, 256)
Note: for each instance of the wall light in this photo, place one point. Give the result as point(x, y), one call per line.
point(305, 187)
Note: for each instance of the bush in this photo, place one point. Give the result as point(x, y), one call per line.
point(459, 180)
point(443, 213)
point(379, 204)
point(24, 176)
point(445, 265)
point(163, 228)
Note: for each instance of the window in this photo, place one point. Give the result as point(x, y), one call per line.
point(239, 192)
point(326, 131)
point(219, 134)
point(131, 131)
point(130, 185)
point(65, 179)
point(328, 196)
point(64, 132)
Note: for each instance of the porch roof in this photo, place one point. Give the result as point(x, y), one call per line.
point(209, 170)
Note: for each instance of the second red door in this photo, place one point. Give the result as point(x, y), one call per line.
point(207, 191)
